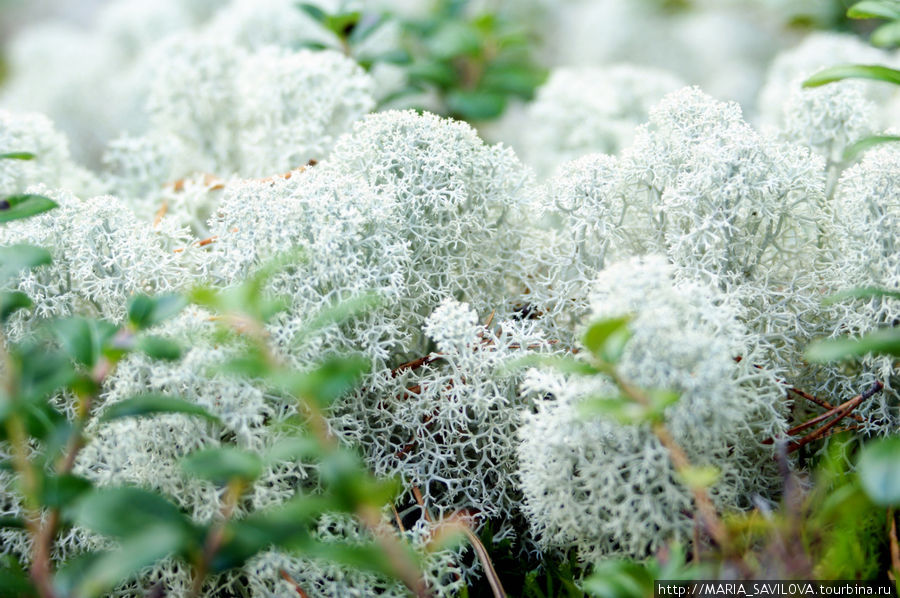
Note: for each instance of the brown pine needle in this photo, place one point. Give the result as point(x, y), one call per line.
point(200, 243)
point(398, 519)
point(842, 412)
point(421, 502)
point(157, 218)
point(821, 402)
point(290, 580)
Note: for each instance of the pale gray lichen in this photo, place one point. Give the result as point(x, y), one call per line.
point(449, 426)
point(341, 236)
point(867, 228)
point(609, 489)
point(146, 451)
point(723, 203)
point(818, 51)
point(588, 110)
point(323, 579)
point(739, 210)
point(829, 119)
point(458, 202)
point(51, 164)
point(101, 257)
point(582, 222)
point(219, 111)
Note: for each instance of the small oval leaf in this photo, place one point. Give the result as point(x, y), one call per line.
point(854, 71)
point(223, 465)
point(17, 207)
point(874, 9)
point(158, 347)
point(607, 338)
point(880, 342)
point(141, 550)
point(145, 311)
point(879, 471)
point(154, 404)
point(12, 302)
point(15, 258)
point(124, 511)
point(868, 143)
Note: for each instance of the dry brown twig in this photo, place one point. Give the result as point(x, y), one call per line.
point(839, 413)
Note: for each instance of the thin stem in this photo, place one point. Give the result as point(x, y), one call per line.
point(679, 459)
point(393, 549)
point(216, 535)
point(895, 546)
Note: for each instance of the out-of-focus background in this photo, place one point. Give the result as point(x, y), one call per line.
point(579, 74)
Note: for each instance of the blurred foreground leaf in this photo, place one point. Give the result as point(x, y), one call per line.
point(879, 471)
point(17, 207)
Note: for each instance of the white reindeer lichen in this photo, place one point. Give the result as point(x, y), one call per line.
point(610, 489)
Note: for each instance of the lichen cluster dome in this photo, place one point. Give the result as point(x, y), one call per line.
point(609, 489)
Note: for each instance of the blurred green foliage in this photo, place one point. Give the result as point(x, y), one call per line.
point(474, 65)
point(72, 358)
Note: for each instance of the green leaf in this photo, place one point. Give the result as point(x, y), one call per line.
point(83, 339)
point(313, 11)
point(452, 39)
point(154, 404)
point(252, 364)
point(880, 342)
point(366, 25)
point(125, 511)
point(11, 302)
point(12, 523)
point(339, 312)
point(879, 471)
point(250, 299)
point(14, 581)
point(42, 421)
point(223, 465)
point(621, 409)
point(17, 207)
point(513, 79)
point(700, 476)
point(875, 9)
point(477, 104)
point(133, 554)
point(606, 339)
point(619, 579)
point(436, 73)
point(365, 557)
point(288, 524)
point(342, 24)
point(663, 399)
point(62, 491)
point(862, 293)
point(887, 35)
point(145, 311)
point(565, 365)
point(15, 258)
point(293, 449)
point(853, 71)
point(391, 56)
point(41, 371)
point(158, 347)
point(326, 383)
point(342, 472)
point(867, 143)
point(17, 156)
